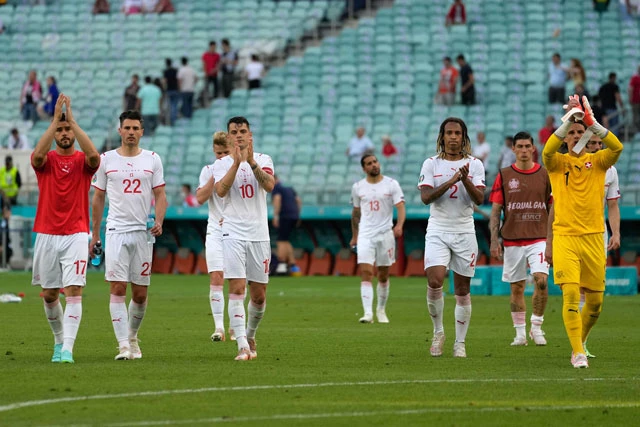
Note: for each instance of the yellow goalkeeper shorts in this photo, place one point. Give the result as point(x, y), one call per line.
point(580, 259)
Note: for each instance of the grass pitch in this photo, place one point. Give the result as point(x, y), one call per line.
point(317, 365)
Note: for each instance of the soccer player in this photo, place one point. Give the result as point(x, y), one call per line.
point(451, 182)
point(243, 181)
point(132, 177)
point(62, 222)
point(373, 199)
point(214, 252)
point(578, 182)
point(523, 192)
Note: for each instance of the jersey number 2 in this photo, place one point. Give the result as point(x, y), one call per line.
point(455, 190)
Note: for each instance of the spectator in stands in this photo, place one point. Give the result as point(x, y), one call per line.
point(557, 79)
point(149, 103)
point(447, 84)
point(10, 181)
point(5, 215)
point(482, 149)
point(601, 6)
point(457, 14)
point(634, 99)
point(388, 149)
point(47, 105)
point(507, 156)
point(210, 65)
point(229, 62)
point(149, 6)
point(547, 130)
point(17, 141)
point(577, 74)
point(254, 71)
point(188, 198)
point(29, 97)
point(286, 214)
point(170, 75)
point(468, 89)
point(164, 111)
point(130, 97)
point(187, 79)
point(581, 91)
point(130, 7)
point(100, 6)
point(598, 112)
point(359, 145)
point(164, 6)
point(610, 99)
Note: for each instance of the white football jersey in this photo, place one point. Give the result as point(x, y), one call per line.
point(376, 202)
point(611, 186)
point(453, 211)
point(214, 202)
point(244, 208)
point(129, 183)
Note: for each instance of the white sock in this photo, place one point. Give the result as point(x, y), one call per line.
point(136, 314)
point(536, 322)
point(237, 319)
point(519, 323)
point(463, 316)
point(582, 299)
point(254, 317)
point(435, 305)
point(53, 310)
point(71, 322)
point(216, 299)
point(383, 294)
point(366, 294)
point(119, 319)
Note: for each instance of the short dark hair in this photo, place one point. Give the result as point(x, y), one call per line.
point(254, 57)
point(225, 41)
point(132, 115)
point(460, 57)
point(63, 117)
point(522, 135)
point(211, 43)
point(612, 75)
point(238, 120)
point(365, 156)
point(188, 186)
point(184, 60)
point(14, 131)
point(447, 58)
point(147, 79)
point(168, 62)
point(135, 76)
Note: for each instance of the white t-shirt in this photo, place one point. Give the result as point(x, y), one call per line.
point(19, 143)
point(453, 211)
point(244, 208)
point(214, 202)
point(187, 78)
point(254, 70)
point(358, 146)
point(611, 186)
point(129, 183)
point(482, 150)
point(376, 202)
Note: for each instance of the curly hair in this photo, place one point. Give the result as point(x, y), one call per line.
point(466, 142)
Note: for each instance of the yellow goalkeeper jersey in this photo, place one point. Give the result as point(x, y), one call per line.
point(577, 184)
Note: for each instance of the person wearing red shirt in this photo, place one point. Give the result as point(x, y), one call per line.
point(388, 149)
point(210, 62)
point(62, 224)
point(634, 99)
point(447, 84)
point(545, 132)
point(457, 14)
point(190, 199)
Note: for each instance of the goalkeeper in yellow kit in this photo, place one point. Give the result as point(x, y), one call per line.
point(577, 182)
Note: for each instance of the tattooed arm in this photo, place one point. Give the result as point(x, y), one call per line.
point(494, 226)
point(355, 225)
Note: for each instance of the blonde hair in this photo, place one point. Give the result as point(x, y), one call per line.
point(220, 139)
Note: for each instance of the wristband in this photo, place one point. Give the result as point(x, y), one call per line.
point(563, 129)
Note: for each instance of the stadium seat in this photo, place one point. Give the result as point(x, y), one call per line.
point(162, 261)
point(201, 263)
point(320, 262)
point(415, 264)
point(302, 260)
point(184, 262)
point(345, 264)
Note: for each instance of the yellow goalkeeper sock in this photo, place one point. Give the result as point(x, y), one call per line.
point(591, 312)
point(571, 315)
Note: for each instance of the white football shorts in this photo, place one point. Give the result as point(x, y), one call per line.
point(380, 249)
point(457, 252)
point(214, 250)
point(247, 260)
point(60, 261)
point(517, 258)
point(128, 257)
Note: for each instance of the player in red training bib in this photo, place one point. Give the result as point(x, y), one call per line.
point(62, 223)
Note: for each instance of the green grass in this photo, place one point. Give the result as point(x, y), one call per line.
point(317, 365)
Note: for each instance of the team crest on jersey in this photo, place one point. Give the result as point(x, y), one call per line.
point(94, 179)
point(588, 165)
point(514, 184)
point(65, 166)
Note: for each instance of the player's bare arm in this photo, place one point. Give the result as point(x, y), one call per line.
point(494, 225)
point(277, 206)
point(97, 210)
point(204, 193)
point(39, 156)
point(548, 252)
point(223, 186)
point(356, 214)
point(614, 223)
point(402, 216)
point(266, 181)
point(430, 195)
point(161, 210)
point(92, 157)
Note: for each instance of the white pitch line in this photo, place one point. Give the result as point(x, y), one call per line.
point(29, 403)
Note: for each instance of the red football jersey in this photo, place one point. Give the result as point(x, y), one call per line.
point(63, 204)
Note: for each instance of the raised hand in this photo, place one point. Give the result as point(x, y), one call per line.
point(589, 119)
point(69, 112)
point(57, 111)
point(573, 109)
point(250, 149)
